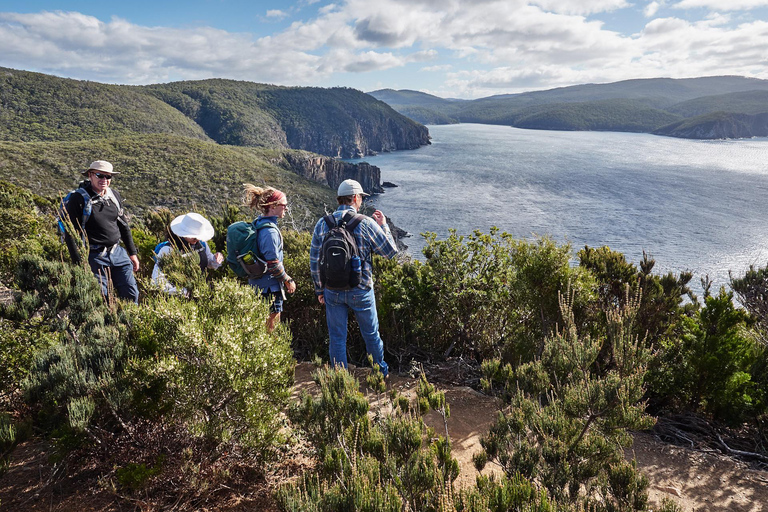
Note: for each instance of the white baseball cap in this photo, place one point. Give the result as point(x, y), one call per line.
point(350, 188)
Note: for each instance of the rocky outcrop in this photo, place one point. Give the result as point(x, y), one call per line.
point(720, 125)
point(332, 172)
point(367, 137)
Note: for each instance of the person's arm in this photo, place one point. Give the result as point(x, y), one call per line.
point(269, 242)
point(382, 241)
point(126, 235)
point(214, 260)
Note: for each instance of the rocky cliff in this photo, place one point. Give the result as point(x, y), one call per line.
point(332, 172)
point(719, 125)
point(364, 139)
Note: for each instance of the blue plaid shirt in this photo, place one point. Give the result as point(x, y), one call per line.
point(370, 238)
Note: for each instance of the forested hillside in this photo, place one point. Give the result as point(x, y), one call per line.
point(337, 122)
point(37, 107)
point(194, 143)
point(657, 105)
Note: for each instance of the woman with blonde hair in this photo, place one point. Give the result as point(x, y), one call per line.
point(272, 204)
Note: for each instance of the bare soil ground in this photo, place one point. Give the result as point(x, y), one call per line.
point(697, 481)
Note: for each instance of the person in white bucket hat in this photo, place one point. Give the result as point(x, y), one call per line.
point(189, 234)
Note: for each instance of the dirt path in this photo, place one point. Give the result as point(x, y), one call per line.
point(697, 481)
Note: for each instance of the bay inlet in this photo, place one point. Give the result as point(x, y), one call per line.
point(700, 206)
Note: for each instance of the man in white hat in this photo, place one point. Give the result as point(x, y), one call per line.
point(96, 211)
point(189, 234)
point(326, 259)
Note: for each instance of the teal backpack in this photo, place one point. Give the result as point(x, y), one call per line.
point(243, 255)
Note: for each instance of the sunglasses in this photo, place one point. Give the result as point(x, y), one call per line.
point(103, 176)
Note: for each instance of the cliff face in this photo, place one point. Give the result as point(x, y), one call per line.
point(361, 138)
point(332, 172)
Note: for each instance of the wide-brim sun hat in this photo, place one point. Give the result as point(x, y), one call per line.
point(192, 225)
point(350, 188)
point(101, 166)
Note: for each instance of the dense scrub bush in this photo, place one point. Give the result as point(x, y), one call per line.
point(79, 379)
point(394, 462)
point(663, 300)
point(568, 416)
point(26, 227)
point(220, 372)
point(710, 367)
point(486, 295)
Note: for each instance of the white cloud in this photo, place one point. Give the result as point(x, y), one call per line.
point(489, 46)
point(582, 7)
point(435, 69)
point(276, 13)
point(722, 5)
point(73, 44)
point(651, 9)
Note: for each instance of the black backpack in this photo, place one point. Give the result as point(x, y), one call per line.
point(339, 255)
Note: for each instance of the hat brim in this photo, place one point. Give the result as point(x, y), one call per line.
point(204, 234)
point(85, 172)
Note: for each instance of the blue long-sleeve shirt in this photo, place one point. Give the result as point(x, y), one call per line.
point(370, 237)
point(271, 248)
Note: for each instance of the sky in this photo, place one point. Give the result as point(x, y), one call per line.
point(449, 48)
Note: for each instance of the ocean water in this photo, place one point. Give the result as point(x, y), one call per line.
point(700, 206)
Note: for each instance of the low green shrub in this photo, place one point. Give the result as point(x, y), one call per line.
point(568, 418)
point(27, 226)
point(219, 370)
point(392, 463)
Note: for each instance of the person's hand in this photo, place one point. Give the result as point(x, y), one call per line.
point(290, 286)
point(219, 258)
point(135, 260)
point(379, 217)
point(321, 299)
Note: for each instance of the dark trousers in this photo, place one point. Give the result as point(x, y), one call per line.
point(115, 262)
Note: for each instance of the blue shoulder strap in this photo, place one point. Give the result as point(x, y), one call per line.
point(87, 205)
point(157, 249)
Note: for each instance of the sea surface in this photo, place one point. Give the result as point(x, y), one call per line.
point(700, 206)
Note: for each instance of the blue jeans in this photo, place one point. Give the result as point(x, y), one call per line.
point(363, 304)
point(117, 264)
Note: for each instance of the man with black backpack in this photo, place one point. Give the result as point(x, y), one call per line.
point(340, 258)
point(96, 213)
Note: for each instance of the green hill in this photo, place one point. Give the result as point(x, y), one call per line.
point(749, 102)
point(334, 122)
point(718, 125)
point(607, 115)
point(38, 107)
point(161, 170)
point(643, 105)
point(421, 107)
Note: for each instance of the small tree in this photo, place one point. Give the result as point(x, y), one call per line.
point(569, 414)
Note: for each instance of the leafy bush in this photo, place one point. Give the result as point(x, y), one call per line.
point(486, 295)
point(79, 378)
point(709, 368)
point(221, 373)
point(26, 227)
point(394, 463)
point(568, 416)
